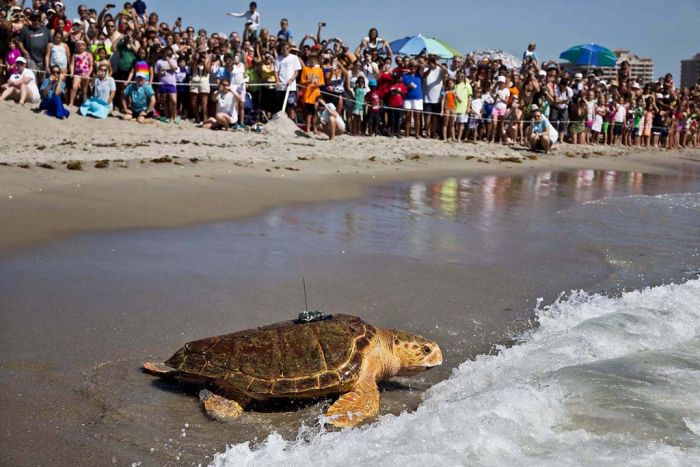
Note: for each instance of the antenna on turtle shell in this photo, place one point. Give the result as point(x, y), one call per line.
point(306, 303)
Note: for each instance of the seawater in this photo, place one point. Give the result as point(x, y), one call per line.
point(605, 374)
point(603, 379)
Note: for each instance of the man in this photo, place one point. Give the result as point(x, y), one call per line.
point(543, 136)
point(139, 100)
point(33, 41)
point(85, 22)
point(21, 87)
point(252, 21)
point(287, 69)
point(433, 77)
point(559, 112)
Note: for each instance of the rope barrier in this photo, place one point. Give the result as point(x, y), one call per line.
point(365, 105)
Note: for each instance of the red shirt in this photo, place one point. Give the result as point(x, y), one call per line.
point(394, 97)
point(384, 83)
point(374, 101)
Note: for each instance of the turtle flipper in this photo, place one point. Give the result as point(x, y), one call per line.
point(159, 369)
point(356, 406)
point(219, 408)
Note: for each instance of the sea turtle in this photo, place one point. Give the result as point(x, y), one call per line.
point(338, 355)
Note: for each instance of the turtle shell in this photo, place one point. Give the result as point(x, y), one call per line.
point(287, 359)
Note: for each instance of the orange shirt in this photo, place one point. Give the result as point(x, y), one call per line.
point(450, 100)
point(312, 78)
point(514, 91)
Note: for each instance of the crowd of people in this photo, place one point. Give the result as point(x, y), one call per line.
point(128, 63)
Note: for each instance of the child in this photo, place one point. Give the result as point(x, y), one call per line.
point(638, 122)
point(487, 100)
point(514, 122)
point(358, 106)
point(648, 121)
point(374, 109)
point(475, 114)
point(449, 110)
point(599, 124)
point(590, 114)
point(182, 76)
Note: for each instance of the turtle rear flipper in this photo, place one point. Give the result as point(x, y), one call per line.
point(159, 369)
point(220, 408)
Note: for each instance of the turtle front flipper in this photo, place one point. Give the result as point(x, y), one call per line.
point(220, 408)
point(159, 369)
point(356, 406)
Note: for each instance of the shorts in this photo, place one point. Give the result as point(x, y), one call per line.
point(309, 109)
point(121, 75)
point(617, 129)
point(357, 113)
point(373, 119)
point(413, 104)
point(200, 85)
point(473, 122)
point(499, 110)
point(604, 127)
point(291, 100)
point(462, 118)
point(334, 98)
point(433, 108)
point(576, 128)
point(167, 89)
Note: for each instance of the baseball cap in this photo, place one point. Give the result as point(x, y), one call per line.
point(59, 4)
point(542, 73)
point(372, 83)
point(635, 85)
point(534, 107)
point(578, 76)
point(501, 79)
point(141, 75)
point(21, 60)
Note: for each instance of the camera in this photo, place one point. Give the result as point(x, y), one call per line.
point(323, 25)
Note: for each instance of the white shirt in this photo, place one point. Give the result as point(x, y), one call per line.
point(226, 103)
point(104, 87)
point(567, 93)
point(326, 117)
point(32, 89)
point(285, 68)
point(250, 17)
point(433, 86)
point(502, 96)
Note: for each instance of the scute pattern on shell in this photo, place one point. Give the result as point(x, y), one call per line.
point(283, 359)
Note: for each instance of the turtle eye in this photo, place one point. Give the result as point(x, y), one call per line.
point(426, 350)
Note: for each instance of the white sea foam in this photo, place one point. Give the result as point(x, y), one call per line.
point(602, 380)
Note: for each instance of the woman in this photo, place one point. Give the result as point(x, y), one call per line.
point(166, 69)
point(413, 102)
point(267, 75)
point(81, 70)
point(578, 113)
point(57, 54)
point(501, 96)
point(543, 136)
point(200, 87)
point(52, 90)
point(100, 104)
point(226, 107)
point(335, 78)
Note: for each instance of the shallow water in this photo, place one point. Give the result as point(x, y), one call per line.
point(461, 261)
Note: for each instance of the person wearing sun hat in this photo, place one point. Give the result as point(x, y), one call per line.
point(139, 100)
point(21, 87)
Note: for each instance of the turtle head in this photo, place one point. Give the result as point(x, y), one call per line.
point(414, 353)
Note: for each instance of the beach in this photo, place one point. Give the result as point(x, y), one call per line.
point(103, 268)
point(164, 175)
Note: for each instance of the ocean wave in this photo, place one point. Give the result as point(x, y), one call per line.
point(601, 380)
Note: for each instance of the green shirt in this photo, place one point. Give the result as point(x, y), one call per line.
point(464, 92)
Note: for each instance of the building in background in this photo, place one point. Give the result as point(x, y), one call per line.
point(642, 68)
point(690, 71)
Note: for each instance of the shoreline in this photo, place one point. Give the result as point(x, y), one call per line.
point(210, 177)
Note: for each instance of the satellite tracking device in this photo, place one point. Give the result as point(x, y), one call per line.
point(308, 316)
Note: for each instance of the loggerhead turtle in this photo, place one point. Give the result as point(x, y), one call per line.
point(338, 355)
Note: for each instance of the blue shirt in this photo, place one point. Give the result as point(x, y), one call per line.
point(224, 73)
point(139, 6)
point(140, 96)
point(414, 93)
point(52, 88)
point(284, 35)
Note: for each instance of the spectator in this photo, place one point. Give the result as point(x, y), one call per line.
point(140, 100)
point(100, 104)
point(287, 68)
point(21, 87)
point(52, 90)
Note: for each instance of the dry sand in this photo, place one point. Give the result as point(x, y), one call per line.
point(160, 175)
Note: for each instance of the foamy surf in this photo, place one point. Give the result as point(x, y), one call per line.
point(602, 380)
